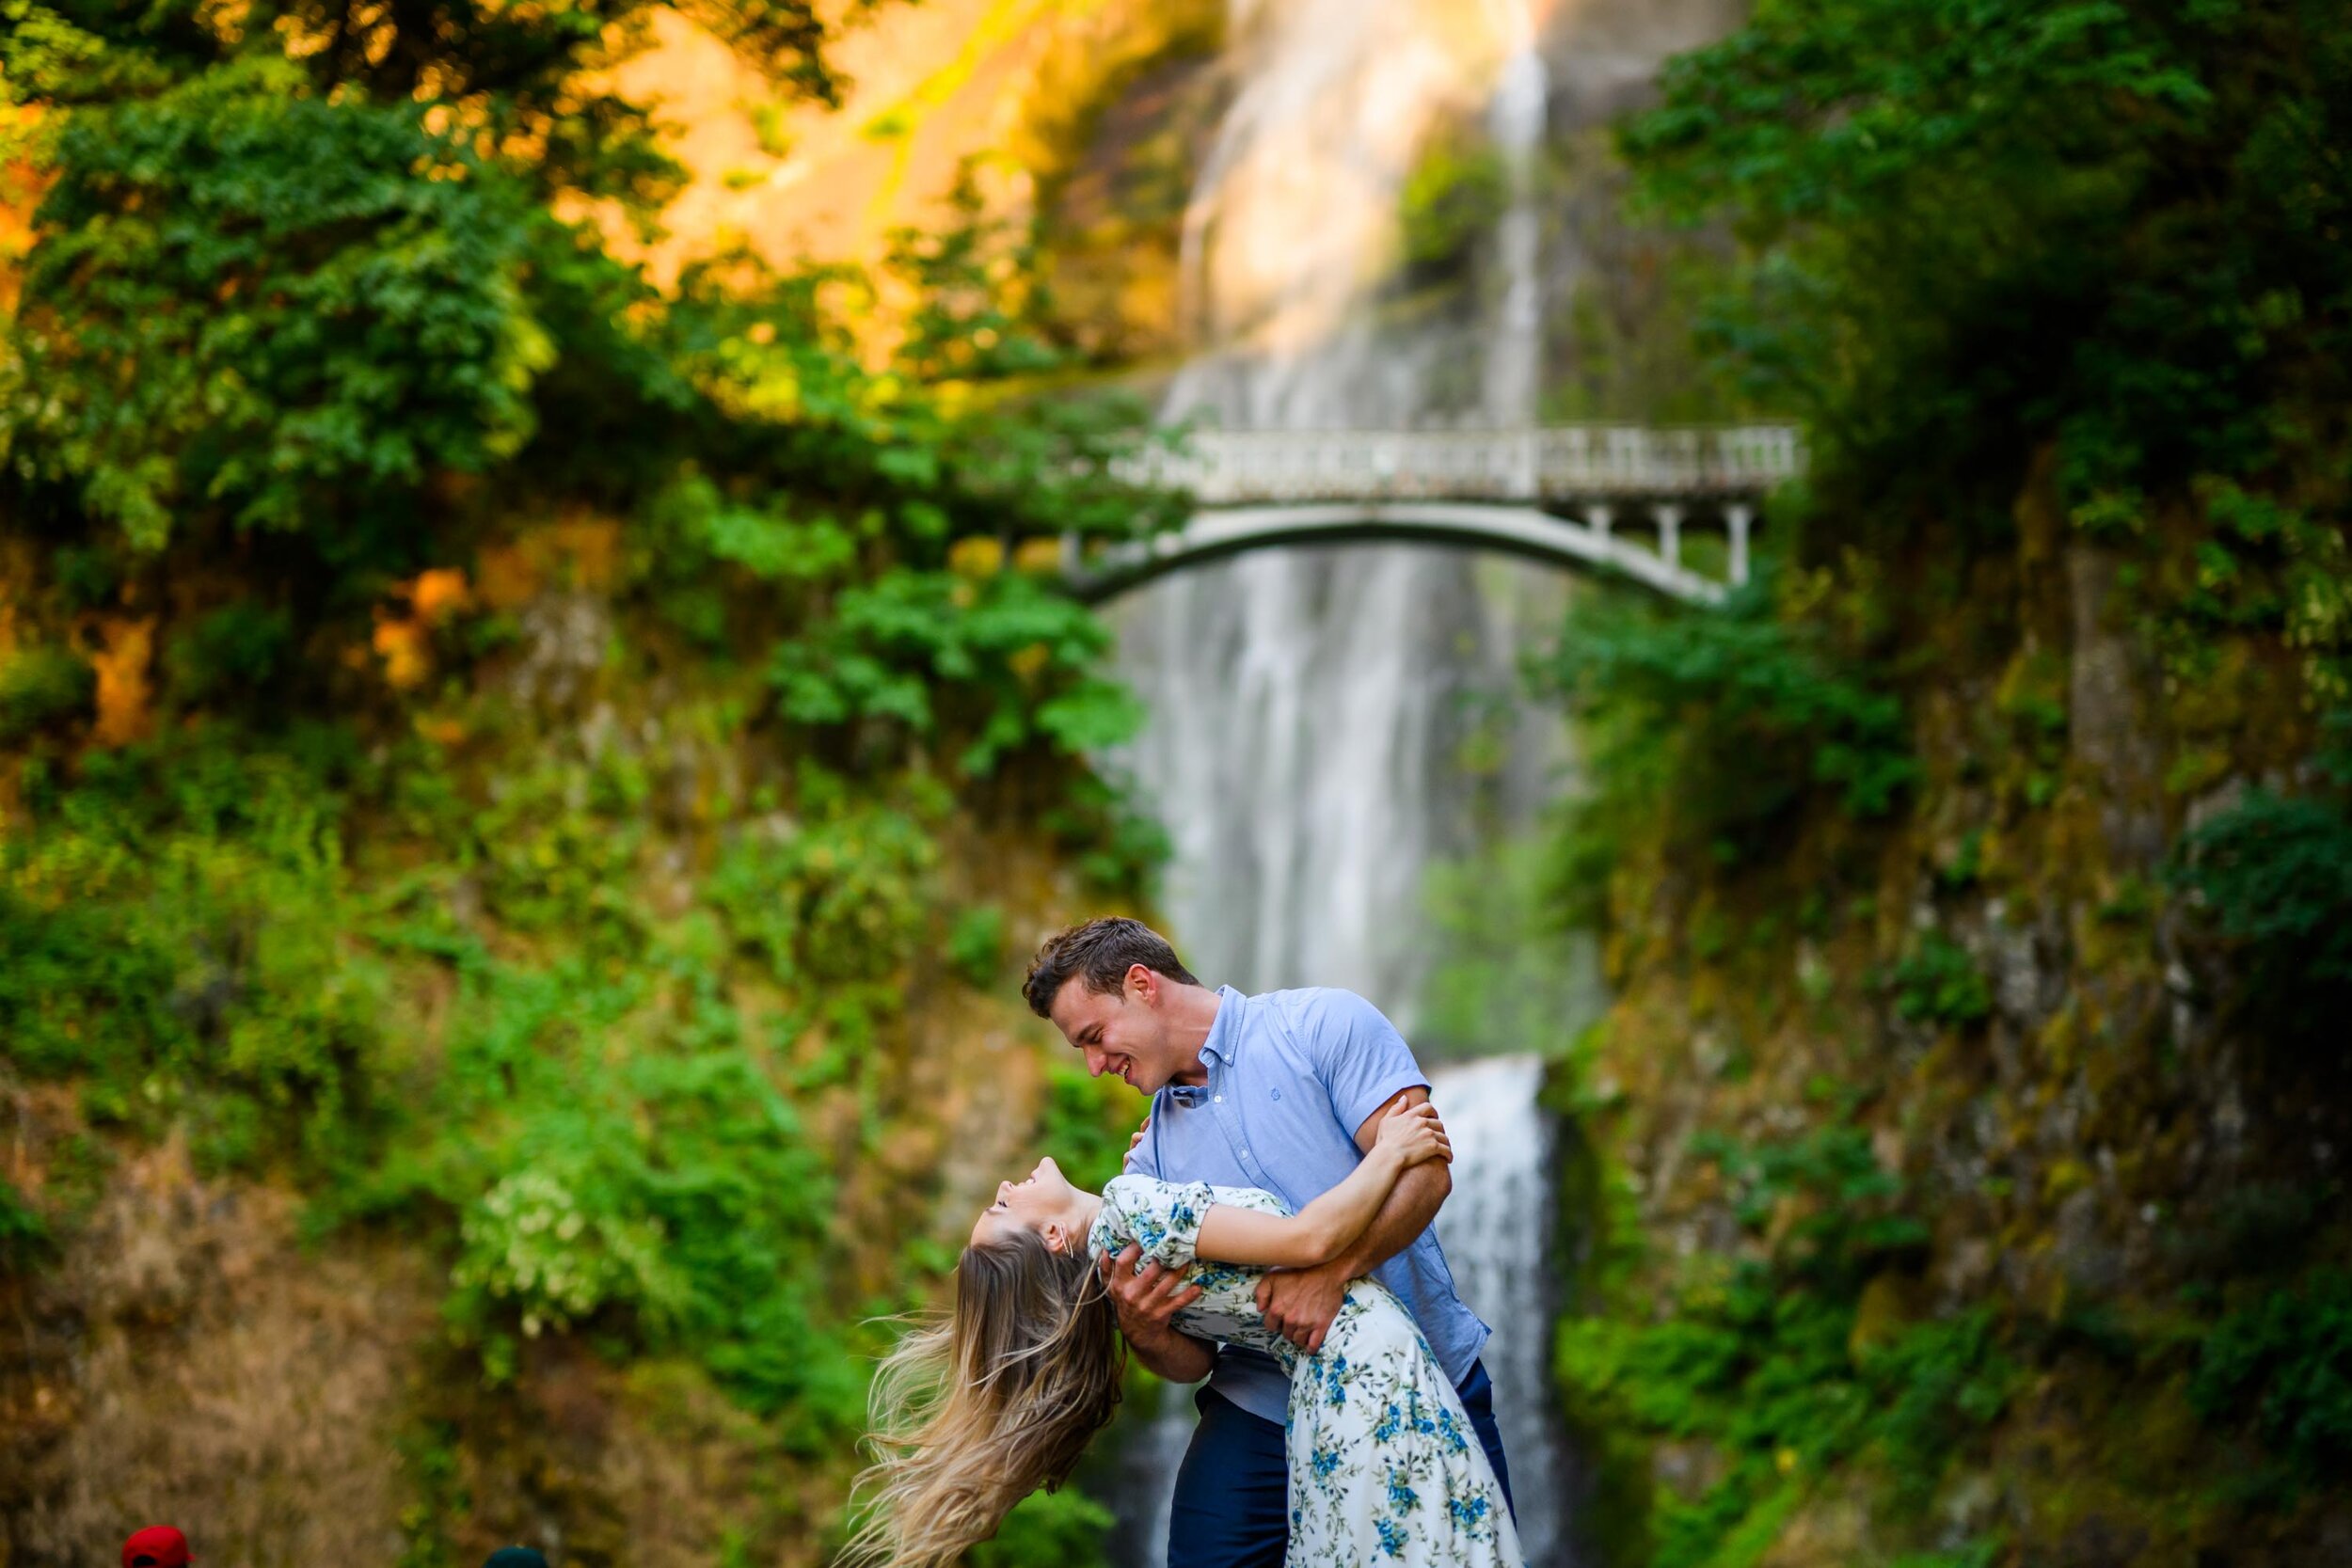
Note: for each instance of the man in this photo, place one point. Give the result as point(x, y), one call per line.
point(1284, 1092)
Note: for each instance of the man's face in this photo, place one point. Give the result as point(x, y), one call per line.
point(1123, 1034)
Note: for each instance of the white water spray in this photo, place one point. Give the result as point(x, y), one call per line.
point(1493, 1229)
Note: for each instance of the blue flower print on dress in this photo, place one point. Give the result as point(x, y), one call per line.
point(1375, 1432)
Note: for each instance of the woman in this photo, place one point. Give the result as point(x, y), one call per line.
point(974, 1413)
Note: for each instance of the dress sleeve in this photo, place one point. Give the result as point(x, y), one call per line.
point(1162, 1217)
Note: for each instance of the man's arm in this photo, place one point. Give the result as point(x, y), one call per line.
point(1299, 1304)
point(1145, 1302)
point(1420, 1193)
point(1329, 1228)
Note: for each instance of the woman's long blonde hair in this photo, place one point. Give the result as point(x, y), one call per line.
point(974, 1413)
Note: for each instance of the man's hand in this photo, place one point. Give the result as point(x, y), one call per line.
point(1299, 1304)
point(1146, 1301)
point(1145, 1304)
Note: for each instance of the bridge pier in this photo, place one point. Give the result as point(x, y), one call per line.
point(1737, 517)
point(1669, 533)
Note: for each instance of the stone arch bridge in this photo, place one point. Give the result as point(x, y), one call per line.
point(1622, 499)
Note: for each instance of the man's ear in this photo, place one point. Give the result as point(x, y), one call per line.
point(1144, 982)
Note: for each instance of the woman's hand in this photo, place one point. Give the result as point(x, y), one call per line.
point(1413, 1134)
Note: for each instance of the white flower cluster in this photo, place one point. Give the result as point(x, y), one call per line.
point(531, 1241)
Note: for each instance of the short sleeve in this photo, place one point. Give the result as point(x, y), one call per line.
point(1161, 1217)
point(1363, 1062)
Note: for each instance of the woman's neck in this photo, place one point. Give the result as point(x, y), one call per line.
point(1083, 1211)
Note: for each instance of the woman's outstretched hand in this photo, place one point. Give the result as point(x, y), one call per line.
point(1415, 1135)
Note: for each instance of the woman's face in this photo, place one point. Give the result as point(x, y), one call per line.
point(1041, 1201)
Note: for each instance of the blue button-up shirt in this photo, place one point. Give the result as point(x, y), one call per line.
point(1292, 1075)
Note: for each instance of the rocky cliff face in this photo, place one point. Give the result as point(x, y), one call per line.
point(1968, 1142)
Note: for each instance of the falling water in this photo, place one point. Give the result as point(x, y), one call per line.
point(1493, 1229)
point(1311, 710)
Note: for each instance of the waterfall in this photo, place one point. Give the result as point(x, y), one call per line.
point(1493, 1229)
point(1311, 710)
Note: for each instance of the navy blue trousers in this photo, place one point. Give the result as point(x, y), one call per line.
point(1233, 1494)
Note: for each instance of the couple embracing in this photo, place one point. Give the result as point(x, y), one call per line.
point(1271, 1232)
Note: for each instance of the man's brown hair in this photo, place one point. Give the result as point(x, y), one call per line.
point(1099, 952)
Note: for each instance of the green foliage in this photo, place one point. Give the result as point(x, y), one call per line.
point(41, 686)
point(1937, 982)
point(1065, 1527)
point(1454, 196)
point(1984, 231)
point(1120, 847)
point(181, 932)
point(837, 900)
point(673, 1195)
point(511, 70)
point(300, 294)
point(994, 645)
point(1850, 1217)
point(1977, 1554)
point(230, 654)
point(2060, 293)
point(619, 1042)
point(1710, 728)
point(2283, 1367)
point(2261, 565)
point(24, 1234)
point(172, 932)
point(1940, 1384)
point(1766, 1355)
point(975, 944)
point(2101, 233)
point(2274, 874)
point(289, 307)
point(1088, 1122)
point(533, 1242)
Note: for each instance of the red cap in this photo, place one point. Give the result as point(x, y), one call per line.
point(156, 1546)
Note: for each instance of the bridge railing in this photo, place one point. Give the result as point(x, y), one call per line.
point(1226, 467)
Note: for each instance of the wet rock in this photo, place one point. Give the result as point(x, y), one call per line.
point(2108, 739)
point(2088, 1257)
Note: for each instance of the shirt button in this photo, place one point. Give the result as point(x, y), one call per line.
point(1219, 1098)
point(1245, 1154)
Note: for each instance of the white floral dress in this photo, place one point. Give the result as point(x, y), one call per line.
point(1384, 1465)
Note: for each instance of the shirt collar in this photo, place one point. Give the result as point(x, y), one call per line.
point(1225, 1030)
point(1224, 1035)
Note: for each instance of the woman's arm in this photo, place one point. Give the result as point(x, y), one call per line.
point(1329, 1225)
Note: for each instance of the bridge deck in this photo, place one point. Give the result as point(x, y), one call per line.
point(1224, 467)
point(1481, 489)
